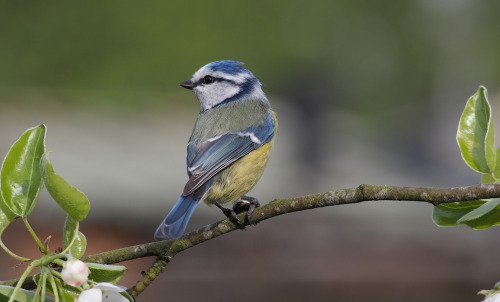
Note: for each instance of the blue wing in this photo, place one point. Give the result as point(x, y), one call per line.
point(215, 154)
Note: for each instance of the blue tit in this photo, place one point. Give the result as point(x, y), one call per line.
point(229, 146)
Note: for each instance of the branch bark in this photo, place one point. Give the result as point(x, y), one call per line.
point(165, 250)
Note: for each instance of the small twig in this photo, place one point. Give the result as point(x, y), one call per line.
point(149, 276)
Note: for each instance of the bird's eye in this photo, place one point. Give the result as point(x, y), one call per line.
point(208, 80)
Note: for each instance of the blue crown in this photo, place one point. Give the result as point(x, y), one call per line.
point(228, 66)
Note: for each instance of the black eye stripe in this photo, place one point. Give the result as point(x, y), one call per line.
point(207, 80)
point(203, 81)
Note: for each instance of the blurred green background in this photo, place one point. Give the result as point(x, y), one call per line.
point(365, 91)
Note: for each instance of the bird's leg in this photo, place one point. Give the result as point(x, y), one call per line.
point(248, 204)
point(231, 214)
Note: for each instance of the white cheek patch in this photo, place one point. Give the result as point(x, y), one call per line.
point(213, 94)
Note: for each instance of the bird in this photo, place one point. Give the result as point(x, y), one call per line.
point(229, 147)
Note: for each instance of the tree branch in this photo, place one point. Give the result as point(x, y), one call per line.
point(167, 249)
point(278, 207)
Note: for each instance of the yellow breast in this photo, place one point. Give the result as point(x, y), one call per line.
point(235, 181)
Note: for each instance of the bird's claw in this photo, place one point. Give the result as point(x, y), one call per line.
point(232, 216)
point(245, 204)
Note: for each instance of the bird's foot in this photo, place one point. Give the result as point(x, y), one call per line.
point(232, 215)
point(245, 204)
point(248, 204)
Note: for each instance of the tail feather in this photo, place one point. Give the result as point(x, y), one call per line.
point(176, 221)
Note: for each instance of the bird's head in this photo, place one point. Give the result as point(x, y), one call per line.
point(222, 82)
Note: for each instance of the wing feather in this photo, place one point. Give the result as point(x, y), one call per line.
point(210, 157)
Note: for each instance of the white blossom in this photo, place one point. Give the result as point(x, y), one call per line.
point(103, 292)
point(495, 297)
point(90, 295)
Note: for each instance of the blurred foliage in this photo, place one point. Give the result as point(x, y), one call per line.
point(370, 54)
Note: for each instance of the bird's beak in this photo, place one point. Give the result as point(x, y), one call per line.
point(187, 84)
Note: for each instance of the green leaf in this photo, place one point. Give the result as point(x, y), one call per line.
point(475, 134)
point(6, 215)
point(105, 273)
point(21, 180)
point(22, 295)
point(79, 246)
point(70, 231)
point(481, 211)
point(449, 214)
point(487, 178)
point(71, 200)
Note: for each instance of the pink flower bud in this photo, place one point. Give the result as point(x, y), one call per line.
point(75, 272)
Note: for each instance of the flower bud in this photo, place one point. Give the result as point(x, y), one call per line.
point(75, 272)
